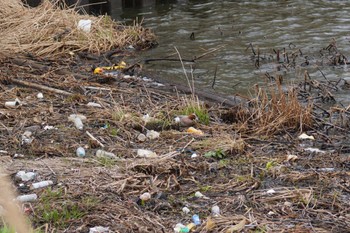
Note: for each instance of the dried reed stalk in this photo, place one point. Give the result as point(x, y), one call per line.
point(48, 30)
point(12, 215)
point(275, 110)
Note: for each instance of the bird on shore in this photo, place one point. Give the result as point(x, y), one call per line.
point(186, 121)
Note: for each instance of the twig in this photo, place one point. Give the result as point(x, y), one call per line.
point(209, 52)
point(40, 87)
point(214, 79)
point(95, 139)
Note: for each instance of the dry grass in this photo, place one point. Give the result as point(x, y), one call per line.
point(274, 110)
point(48, 30)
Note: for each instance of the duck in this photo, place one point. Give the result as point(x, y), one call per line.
point(186, 120)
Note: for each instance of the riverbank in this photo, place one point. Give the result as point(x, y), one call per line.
point(275, 162)
point(260, 174)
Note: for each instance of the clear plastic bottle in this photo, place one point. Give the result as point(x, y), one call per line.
point(102, 153)
point(27, 198)
point(41, 184)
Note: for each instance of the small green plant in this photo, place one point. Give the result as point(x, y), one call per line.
point(106, 162)
point(270, 165)
point(113, 131)
point(198, 109)
point(218, 154)
point(205, 188)
point(54, 209)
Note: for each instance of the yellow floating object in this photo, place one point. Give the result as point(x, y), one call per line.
point(195, 131)
point(100, 70)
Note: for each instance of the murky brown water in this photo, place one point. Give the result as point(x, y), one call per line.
point(309, 25)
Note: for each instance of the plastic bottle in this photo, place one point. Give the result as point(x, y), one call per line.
point(27, 198)
point(196, 220)
point(77, 119)
point(13, 103)
point(80, 152)
point(41, 184)
point(215, 210)
point(25, 176)
point(102, 153)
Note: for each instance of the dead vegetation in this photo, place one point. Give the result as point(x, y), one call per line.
point(48, 30)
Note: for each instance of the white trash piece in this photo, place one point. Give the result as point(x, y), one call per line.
point(146, 153)
point(215, 210)
point(186, 210)
point(198, 194)
point(99, 229)
point(145, 196)
point(305, 136)
point(151, 134)
point(27, 137)
point(12, 104)
point(141, 137)
point(27, 198)
point(80, 152)
point(77, 119)
point(85, 25)
point(40, 95)
point(41, 184)
point(25, 176)
point(102, 153)
point(92, 104)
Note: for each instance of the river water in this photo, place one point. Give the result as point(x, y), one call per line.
point(305, 25)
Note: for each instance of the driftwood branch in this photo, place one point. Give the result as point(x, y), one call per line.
point(40, 87)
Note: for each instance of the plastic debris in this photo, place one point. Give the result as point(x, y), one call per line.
point(194, 155)
point(147, 118)
point(85, 25)
point(186, 210)
point(141, 137)
point(92, 104)
point(326, 169)
point(25, 176)
point(151, 134)
point(316, 150)
point(99, 229)
point(40, 95)
point(270, 191)
point(80, 152)
point(13, 104)
point(27, 137)
point(146, 153)
point(215, 211)
point(48, 127)
point(291, 158)
point(41, 184)
point(194, 131)
point(77, 119)
point(102, 153)
point(196, 220)
point(145, 196)
point(191, 226)
point(100, 70)
point(270, 213)
point(18, 156)
point(180, 228)
point(198, 194)
point(305, 136)
point(27, 198)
